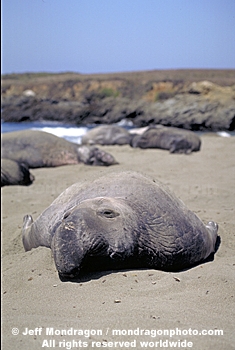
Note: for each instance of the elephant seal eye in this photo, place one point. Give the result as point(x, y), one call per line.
point(108, 213)
point(66, 215)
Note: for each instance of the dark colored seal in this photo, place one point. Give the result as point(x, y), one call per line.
point(107, 135)
point(175, 140)
point(121, 220)
point(14, 173)
point(39, 149)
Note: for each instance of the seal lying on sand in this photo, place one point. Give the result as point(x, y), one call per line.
point(173, 139)
point(14, 173)
point(121, 220)
point(39, 149)
point(107, 135)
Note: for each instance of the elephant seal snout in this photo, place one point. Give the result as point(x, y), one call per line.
point(95, 227)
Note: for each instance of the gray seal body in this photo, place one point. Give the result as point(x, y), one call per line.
point(14, 173)
point(39, 149)
point(120, 220)
point(175, 140)
point(107, 135)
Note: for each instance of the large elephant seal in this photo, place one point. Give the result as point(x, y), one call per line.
point(120, 220)
point(175, 140)
point(39, 149)
point(14, 173)
point(107, 135)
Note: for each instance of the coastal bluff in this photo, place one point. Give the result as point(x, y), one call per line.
point(198, 100)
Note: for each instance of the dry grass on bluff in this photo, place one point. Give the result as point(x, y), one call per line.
point(148, 85)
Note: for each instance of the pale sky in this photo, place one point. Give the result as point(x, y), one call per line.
point(101, 36)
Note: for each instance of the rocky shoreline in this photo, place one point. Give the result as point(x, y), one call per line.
point(170, 100)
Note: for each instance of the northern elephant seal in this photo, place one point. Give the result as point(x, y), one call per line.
point(120, 220)
point(39, 149)
point(14, 173)
point(107, 135)
point(175, 140)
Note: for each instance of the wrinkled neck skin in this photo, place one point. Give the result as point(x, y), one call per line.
point(96, 227)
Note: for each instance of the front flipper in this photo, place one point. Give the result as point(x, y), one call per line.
point(32, 235)
point(27, 222)
point(212, 228)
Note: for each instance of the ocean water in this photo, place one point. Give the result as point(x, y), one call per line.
point(67, 131)
point(70, 132)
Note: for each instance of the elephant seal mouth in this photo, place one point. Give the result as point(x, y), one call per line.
point(69, 274)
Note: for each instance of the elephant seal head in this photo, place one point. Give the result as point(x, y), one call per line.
point(102, 226)
point(94, 156)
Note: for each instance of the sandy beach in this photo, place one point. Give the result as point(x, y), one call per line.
point(124, 309)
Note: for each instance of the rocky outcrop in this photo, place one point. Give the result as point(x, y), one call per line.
point(194, 110)
point(199, 105)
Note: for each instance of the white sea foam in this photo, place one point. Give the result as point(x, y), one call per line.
point(223, 134)
point(125, 123)
point(71, 134)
